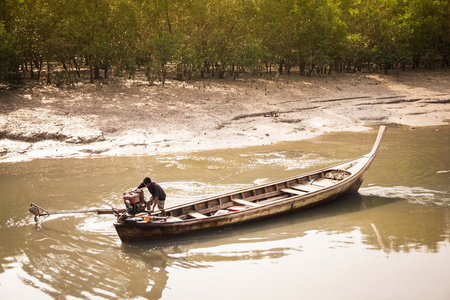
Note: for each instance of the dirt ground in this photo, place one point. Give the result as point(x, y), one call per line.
point(130, 117)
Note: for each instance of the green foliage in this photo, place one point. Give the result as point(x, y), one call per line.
point(251, 54)
point(209, 37)
point(8, 58)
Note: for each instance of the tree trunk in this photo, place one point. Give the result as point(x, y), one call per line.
point(163, 71)
point(91, 68)
point(179, 70)
point(68, 71)
point(31, 70)
point(301, 70)
point(48, 73)
point(311, 71)
point(96, 72)
point(445, 61)
point(38, 65)
point(431, 62)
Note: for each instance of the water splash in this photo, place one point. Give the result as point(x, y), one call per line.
point(417, 195)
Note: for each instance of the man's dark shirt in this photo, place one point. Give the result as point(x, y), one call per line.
point(155, 190)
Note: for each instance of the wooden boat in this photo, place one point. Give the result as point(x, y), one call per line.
point(251, 204)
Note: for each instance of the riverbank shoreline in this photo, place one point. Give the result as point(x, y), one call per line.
point(118, 117)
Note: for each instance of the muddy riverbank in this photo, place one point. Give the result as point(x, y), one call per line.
point(129, 117)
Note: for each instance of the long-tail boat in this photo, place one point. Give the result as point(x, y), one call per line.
point(251, 204)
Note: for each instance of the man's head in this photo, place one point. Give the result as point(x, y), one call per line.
point(147, 181)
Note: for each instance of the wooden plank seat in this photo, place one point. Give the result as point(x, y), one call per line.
point(237, 208)
point(245, 202)
point(262, 202)
point(323, 183)
point(215, 208)
point(262, 196)
point(316, 183)
point(196, 215)
point(291, 191)
point(204, 211)
point(141, 215)
point(306, 188)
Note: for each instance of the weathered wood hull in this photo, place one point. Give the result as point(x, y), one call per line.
point(264, 201)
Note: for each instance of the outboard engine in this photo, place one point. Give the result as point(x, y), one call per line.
point(134, 201)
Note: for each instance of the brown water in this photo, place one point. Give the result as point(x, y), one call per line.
point(390, 241)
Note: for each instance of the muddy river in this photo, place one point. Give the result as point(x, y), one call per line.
point(389, 241)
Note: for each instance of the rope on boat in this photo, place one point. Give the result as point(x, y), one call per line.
point(337, 174)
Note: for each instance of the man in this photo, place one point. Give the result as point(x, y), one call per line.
point(158, 195)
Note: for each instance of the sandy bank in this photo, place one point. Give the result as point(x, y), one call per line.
point(132, 118)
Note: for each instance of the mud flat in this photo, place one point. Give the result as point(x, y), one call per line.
point(130, 117)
